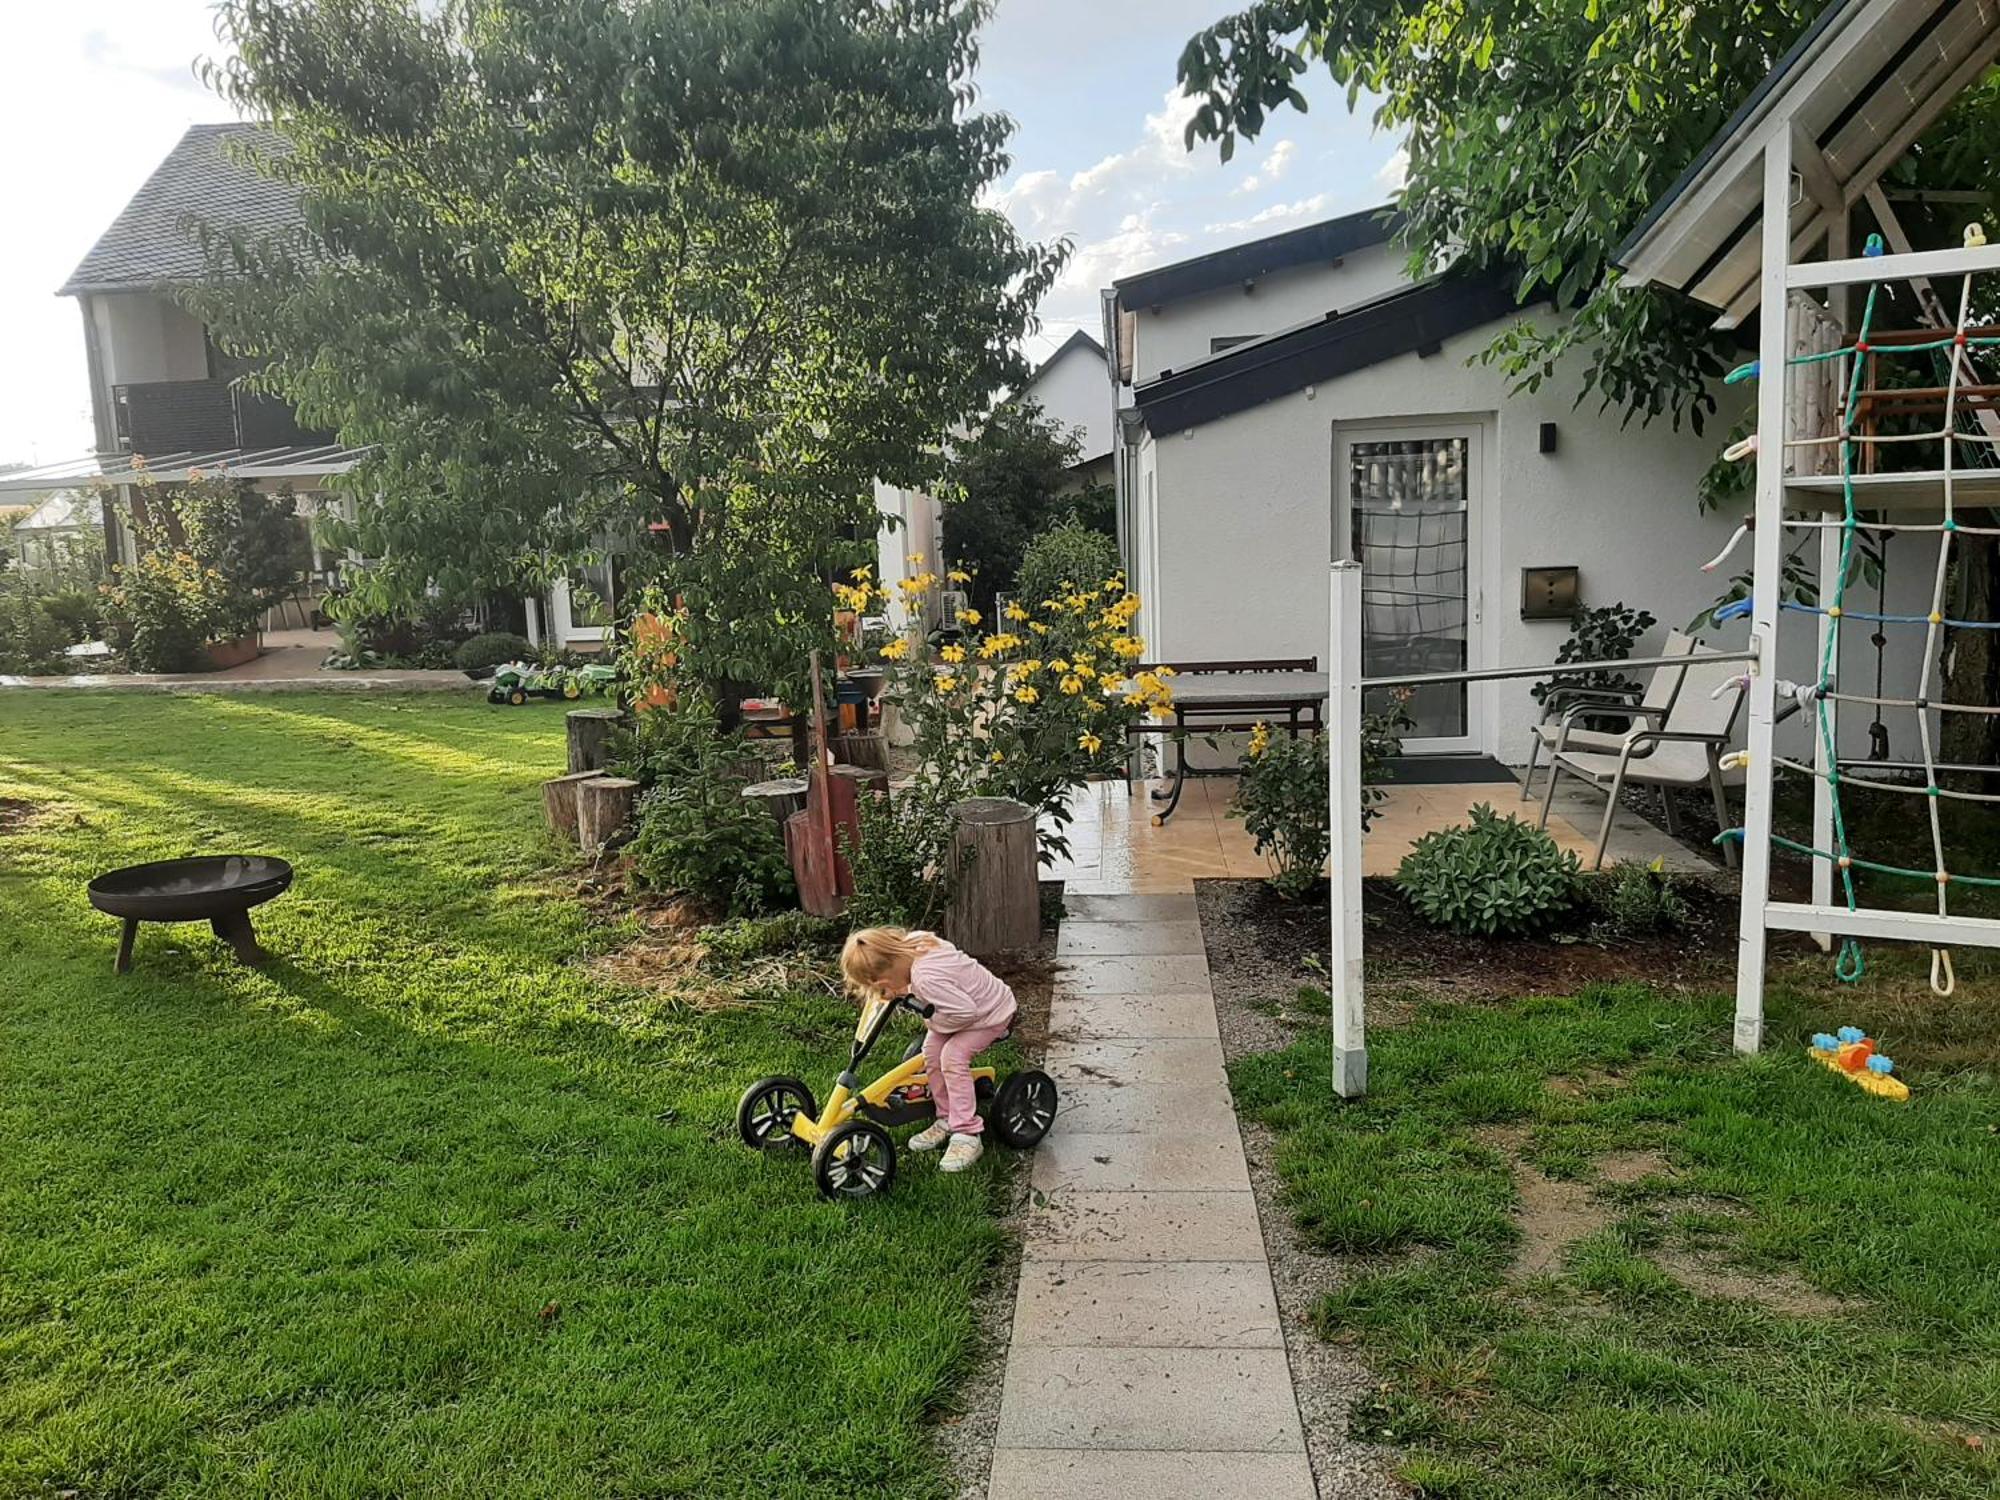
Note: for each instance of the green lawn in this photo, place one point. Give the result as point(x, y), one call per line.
point(420, 1208)
point(1607, 1375)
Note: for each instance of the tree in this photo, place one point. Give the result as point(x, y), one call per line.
point(1008, 483)
point(677, 277)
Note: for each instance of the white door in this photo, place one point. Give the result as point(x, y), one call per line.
point(1407, 510)
point(583, 604)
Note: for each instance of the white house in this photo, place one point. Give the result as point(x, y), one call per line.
point(1299, 401)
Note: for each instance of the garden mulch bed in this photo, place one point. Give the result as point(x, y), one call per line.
point(1262, 948)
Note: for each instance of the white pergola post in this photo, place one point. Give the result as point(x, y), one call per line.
point(1772, 348)
point(1343, 764)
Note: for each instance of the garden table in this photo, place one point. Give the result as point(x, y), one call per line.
point(1234, 697)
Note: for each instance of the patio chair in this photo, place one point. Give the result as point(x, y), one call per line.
point(1685, 750)
point(1565, 706)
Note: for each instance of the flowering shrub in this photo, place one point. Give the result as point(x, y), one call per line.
point(164, 609)
point(1029, 708)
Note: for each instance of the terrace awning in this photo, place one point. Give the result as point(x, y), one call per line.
point(317, 462)
point(1863, 82)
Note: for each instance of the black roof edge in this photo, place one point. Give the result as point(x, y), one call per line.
point(1082, 336)
point(1402, 322)
point(1767, 86)
point(1327, 240)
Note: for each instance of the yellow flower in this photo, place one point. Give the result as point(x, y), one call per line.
point(915, 559)
point(1083, 668)
point(1091, 743)
point(946, 683)
point(1058, 665)
point(862, 574)
point(996, 757)
point(895, 650)
point(1038, 627)
point(1025, 694)
point(1260, 739)
point(1015, 612)
point(1071, 685)
point(969, 616)
point(952, 653)
point(1032, 665)
point(959, 575)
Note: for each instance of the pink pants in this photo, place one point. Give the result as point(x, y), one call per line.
point(948, 1060)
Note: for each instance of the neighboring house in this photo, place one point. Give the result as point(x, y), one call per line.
point(1299, 401)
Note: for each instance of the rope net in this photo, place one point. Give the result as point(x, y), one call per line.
point(1959, 391)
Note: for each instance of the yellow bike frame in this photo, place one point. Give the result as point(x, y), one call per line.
point(846, 1100)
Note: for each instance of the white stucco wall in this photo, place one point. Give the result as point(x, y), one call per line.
point(910, 525)
point(1244, 528)
point(1075, 389)
point(144, 338)
point(1176, 335)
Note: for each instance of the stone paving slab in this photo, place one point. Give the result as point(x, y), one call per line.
point(1192, 1062)
point(1128, 906)
point(1164, 1161)
point(1085, 1225)
point(1197, 1304)
point(1132, 975)
point(1192, 1399)
point(1089, 939)
point(1086, 1474)
point(1115, 1017)
point(1114, 1109)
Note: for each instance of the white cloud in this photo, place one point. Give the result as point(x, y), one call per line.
point(1280, 159)
point(1394, 172)
point(1276, 213)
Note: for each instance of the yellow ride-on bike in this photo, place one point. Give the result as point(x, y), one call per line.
point(852, 1153)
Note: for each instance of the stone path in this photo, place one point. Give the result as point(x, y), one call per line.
point(1147, 1357)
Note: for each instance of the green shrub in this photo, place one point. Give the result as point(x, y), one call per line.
point(496, 648)
point(163, 610)
point(902, 864)
point(1641, 900)
point(1282, 796)
point(748, 938)
point(80, 612)
point(31, 639)
point(1607, 633)
point(1069, 555)
point(1495, 876)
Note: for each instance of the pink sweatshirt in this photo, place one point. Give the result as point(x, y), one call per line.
point(964, 991)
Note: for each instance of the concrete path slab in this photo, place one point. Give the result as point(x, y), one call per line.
point(1129, 906)
point(1080, 1225)
point(1085, 1474)
point(1193, 1062)
point(1122, 1109)
point(1132, 975)
point(1199, 1304)
point(1152, 939)
point(1234, 1400)
point(1076, 1018)
point(1163, 1162)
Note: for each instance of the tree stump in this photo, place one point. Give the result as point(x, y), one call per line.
point(590, 731)
point(603, 808)
point(780, 798)
point(559, 801)
point(870, 750)
point(996, 899)
point(812, 865)
point(861, 780)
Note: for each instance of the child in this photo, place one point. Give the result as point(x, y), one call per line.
point(971, 1010)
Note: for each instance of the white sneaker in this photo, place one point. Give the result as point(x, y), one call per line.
point(963, 1151)
point(929, 1138)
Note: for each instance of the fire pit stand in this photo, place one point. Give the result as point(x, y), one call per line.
point(218, 889)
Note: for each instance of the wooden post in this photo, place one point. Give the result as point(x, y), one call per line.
point(559, 801)
point(1343, 790)
point(590, 732)
point(603, 808)
point(996, 899)
point(822, 794)
point(780, 798)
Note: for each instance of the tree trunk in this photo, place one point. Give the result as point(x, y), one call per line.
point(603, 809)
point(559, 803)
point(996, 899)
point(780, 798)
point(870, 750)
point(1972, 666)
point(590, 731)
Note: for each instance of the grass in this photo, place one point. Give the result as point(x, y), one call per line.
point(1611, 1376)
point(420, 1207)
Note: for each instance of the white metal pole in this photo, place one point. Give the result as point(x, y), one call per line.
point(1840, 305)
point(1343, 761)
point(1772, 349)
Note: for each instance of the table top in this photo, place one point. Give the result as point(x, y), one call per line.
point(1247, 689)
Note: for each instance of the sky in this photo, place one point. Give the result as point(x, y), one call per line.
point(101, 89)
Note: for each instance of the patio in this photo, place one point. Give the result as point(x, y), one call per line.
point(1116, 848)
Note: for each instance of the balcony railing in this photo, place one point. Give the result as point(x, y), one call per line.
point(204, 416)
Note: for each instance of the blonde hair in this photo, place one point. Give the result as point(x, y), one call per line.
point(868, 955)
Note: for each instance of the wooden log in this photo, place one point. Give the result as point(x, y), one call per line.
point(780, 798)
point(870, 750)
point(863, 779)
point(559, 799)
point(603, 809)
point(996, 900)
point(590, 731)
point(812, 864)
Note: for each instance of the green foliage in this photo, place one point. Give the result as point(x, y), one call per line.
point(693, 271)
point(902, 864)
point(32, 638)
point(1282, 795)
point(1538, 132)
point(748, 938)
point(163, 610)
point(1495, 876)
point(251, 538)
point(1007, 487)
point(1063, 558)
point(696, 835)
point(493, 649)
point(79, 612)
point(1607, 632)
point(1641, 900)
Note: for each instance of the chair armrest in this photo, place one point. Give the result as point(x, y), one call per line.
point(1680, 736)
point(1626, 711)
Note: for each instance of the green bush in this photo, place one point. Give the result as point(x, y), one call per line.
point(1496, 876)
point(163, 610)
point(1641, 900)
point(902, 864)
point(31, 639)
point(1282, 796)
point(1067, 556)
point(80, 612)
point(496, 648)
point(749, 938)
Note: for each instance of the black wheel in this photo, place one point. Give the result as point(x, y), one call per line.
point(856, 1161)
point(764, 1117)
point(1023, 1109)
